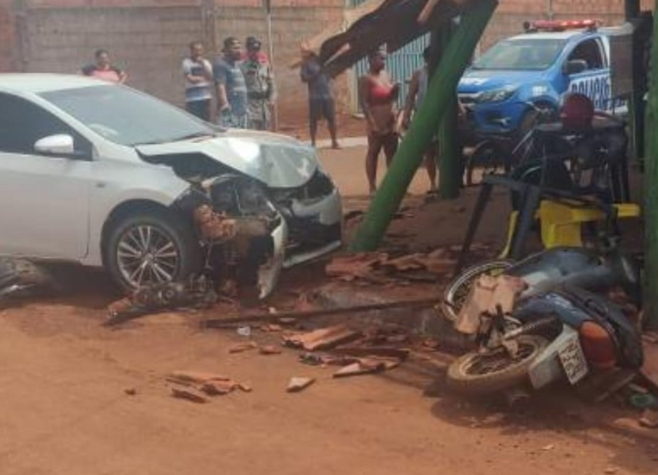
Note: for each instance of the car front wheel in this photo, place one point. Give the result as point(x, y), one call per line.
point(150, 248)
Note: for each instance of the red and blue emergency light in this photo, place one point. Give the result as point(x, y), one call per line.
point(561, 25)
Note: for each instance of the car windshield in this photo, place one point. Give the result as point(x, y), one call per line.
point(525, 54)
point(128, 117)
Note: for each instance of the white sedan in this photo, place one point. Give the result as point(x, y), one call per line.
point(102, 174)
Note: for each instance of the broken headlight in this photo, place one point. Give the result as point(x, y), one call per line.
point(239, 197)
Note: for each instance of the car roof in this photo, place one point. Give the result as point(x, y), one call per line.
point(37, 83)
point(554, 35)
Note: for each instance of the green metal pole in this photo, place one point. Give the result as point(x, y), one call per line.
point(651, 190)
point(635, 112)
point(450, 170)
point(441, 91)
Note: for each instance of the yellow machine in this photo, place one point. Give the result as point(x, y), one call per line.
point(561, 222)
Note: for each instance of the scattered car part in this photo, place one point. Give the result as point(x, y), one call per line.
point(196, 292)
point(20, 276)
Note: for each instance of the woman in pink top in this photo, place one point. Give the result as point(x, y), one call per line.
point(103, 69)
point(378, 95)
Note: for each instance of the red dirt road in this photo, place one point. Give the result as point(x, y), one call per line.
point(64, 409)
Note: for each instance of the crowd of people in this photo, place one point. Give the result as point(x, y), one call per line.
point(243, 84)
point(237, 90)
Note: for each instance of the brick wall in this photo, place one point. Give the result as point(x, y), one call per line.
point(6, 37)
point(510, 15)
point(150, 37)
point(147, 42)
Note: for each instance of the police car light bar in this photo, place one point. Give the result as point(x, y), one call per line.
point(560, 25)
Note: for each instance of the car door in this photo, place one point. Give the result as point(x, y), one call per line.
point(594, 79)
point(44, 199)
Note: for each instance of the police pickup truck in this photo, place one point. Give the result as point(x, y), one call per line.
point(553, 57)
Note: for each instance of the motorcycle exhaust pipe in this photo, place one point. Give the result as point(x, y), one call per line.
point(531, 327)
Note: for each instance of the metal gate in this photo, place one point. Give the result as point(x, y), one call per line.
point(401, 65)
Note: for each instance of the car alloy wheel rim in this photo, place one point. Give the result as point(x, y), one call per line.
point(146, 255)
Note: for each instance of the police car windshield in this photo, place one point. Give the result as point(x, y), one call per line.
point(521, 54)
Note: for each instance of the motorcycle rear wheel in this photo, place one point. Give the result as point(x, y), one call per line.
point(483, 373)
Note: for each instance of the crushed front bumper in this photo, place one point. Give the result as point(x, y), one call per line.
point(315, 221)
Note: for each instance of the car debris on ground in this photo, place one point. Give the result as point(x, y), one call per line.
point(194, 293)
point(21, 277)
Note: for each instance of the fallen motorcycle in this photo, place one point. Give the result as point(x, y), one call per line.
point(562, 333)
point(581, 267)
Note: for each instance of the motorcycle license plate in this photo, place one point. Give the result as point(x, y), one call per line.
point(573, 359)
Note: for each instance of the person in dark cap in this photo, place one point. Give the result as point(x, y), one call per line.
point(262, 56)
point(260, 86)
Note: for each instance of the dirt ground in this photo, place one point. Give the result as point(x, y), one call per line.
point(68, 405)
point(347, 125)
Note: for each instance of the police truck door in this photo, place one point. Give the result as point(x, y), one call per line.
point(589, 73)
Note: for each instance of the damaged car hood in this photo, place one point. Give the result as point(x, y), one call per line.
point(276, 160)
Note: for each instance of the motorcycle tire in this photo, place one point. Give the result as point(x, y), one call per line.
point(478, 373)
point(455, 294)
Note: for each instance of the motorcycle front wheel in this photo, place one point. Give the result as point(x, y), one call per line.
point(455, 294)
point(478, 373)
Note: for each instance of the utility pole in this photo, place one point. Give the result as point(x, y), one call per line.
point(270, 52)
point(440, 92)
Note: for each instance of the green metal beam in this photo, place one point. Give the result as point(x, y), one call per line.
point(651, 189)
point(450, 152)
point(441, 91)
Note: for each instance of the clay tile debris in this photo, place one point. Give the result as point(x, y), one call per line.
point(352, 267)
point(322, 339)
point(242, 347)
point(195, 377)
point(189, 394)
point(270, 350)
point(297, 384)
point(219, 388)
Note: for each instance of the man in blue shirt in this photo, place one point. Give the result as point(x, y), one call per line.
point(231, 86)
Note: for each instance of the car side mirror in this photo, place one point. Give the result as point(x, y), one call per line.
point(57, 145)
point(575, 66)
